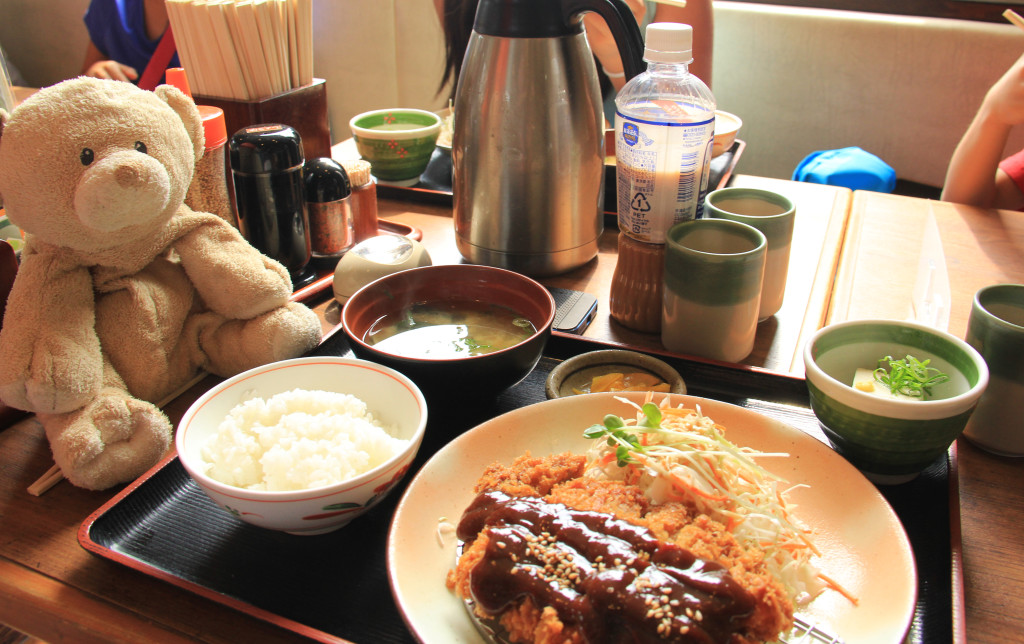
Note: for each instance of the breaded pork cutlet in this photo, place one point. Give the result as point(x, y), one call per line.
point(538, 548)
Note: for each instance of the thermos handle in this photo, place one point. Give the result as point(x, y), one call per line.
point(622, 24)
point(552, 19)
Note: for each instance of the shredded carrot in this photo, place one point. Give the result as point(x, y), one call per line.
point(836, 586)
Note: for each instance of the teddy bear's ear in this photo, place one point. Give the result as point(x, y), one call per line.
point(187, 111)
point(4, 116)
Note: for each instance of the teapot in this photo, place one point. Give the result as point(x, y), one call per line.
point(528, 134)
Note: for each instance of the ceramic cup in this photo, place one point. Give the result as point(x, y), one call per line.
point(996, 330)
point(712, 291)
point(773, 215)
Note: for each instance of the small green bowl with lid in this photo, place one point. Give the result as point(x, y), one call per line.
point(397, 142)
point(891, 440)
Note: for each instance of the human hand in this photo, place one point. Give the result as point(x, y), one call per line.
point(1004, 101)
point(111, 69)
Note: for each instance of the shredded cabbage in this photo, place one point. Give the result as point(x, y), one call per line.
point(677, 454)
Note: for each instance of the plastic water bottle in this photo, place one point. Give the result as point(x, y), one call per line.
point(664, 130)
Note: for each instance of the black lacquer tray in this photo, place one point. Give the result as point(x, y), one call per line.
point(334, 587)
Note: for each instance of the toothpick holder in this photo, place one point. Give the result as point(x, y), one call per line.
point(303, 108)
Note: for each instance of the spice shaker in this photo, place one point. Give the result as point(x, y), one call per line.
point(364, 199)
point(329, 207)
point(267, 171)
point(210, 190)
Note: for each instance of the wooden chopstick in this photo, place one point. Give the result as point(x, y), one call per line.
point(1014, 18)
point(53, 476)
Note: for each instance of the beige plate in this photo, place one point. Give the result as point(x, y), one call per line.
point(863, 543)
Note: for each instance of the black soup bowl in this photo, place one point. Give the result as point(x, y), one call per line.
point(377, 309)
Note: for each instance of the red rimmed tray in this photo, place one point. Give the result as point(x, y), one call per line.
point(334, 587)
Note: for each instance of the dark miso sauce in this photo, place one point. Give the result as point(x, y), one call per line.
point(615, 581)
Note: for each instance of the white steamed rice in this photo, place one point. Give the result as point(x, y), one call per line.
point(297, 440)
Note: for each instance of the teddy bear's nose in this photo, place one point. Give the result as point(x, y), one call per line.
point(128, 176)
point(120, 190)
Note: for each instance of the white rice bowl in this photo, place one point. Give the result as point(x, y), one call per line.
point(298, 440)
point(273, 447)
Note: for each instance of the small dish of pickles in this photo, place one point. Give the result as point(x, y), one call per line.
point(612, 370)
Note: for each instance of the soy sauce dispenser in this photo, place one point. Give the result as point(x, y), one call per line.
point(267, 171)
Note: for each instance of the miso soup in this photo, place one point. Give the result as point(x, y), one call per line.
point(455, 329)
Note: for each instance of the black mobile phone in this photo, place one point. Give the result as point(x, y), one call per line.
point(575, 310)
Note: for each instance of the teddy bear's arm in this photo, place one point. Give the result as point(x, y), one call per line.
point(233, 278)
point(50, 358)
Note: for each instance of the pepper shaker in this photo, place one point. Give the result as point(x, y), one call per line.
point(329, 206)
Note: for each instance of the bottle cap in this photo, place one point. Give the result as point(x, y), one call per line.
point(214, 127)
point(669, 42)
point(177, 77)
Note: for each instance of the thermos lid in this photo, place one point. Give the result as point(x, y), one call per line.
point(524, 19)
point(325, 180)
point(270, 147)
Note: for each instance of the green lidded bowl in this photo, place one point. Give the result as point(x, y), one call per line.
point(398, 143)
point(890, 440)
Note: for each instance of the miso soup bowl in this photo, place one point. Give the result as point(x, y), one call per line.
point(398, 143)
point(453, 378)
point(891, 440)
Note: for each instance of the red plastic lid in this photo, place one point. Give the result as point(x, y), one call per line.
point(214, 127)
point(176, 76)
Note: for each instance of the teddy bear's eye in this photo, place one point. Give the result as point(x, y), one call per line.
point(140, 147)
point(86, 156)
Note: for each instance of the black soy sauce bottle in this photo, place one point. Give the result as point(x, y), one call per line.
point(266, 168)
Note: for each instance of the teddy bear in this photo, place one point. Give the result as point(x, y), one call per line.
point(124, 294)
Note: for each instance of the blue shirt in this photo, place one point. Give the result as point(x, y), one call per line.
point(118, 29)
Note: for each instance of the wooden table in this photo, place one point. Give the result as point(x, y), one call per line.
point(875, 280)
point(54, 589)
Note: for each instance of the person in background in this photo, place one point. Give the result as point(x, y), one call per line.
point(978, 175)
point(457, 19)
point(124, 36)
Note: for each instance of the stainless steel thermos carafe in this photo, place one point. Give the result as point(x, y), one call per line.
point(528, 133)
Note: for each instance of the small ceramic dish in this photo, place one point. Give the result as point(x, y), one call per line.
point(576, 373)
point(727, 126)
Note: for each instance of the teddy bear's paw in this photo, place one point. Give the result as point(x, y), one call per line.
point(286, 332)
point(113, 440)
point(46, 396)
point(296, 330)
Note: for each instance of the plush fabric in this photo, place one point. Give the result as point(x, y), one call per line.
point(124, 293)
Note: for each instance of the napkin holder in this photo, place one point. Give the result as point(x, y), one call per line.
point(303, 108)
